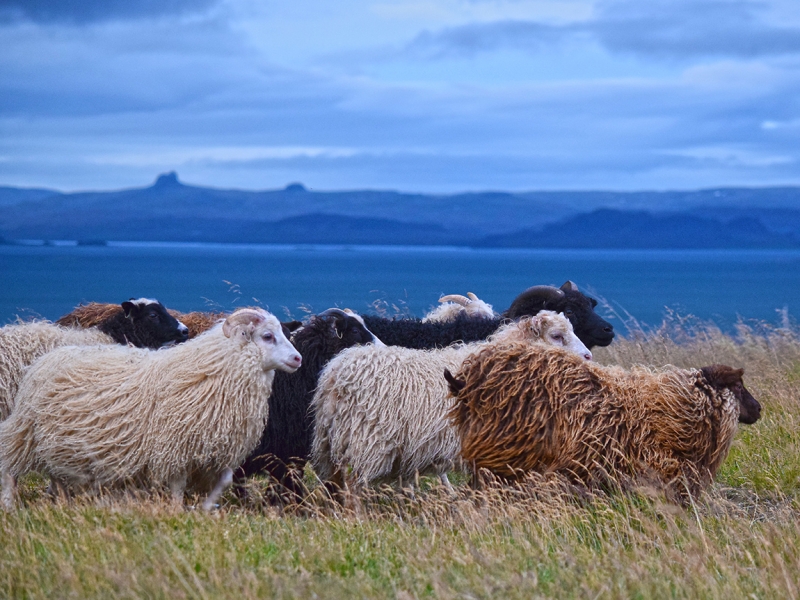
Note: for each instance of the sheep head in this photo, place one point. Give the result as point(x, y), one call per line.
point(723, 377)
point(264, 329)
point(349, 328)
point(577, 307)
point(547, 327)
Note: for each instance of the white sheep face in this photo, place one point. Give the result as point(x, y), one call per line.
point(265, 331)
point(546, 327)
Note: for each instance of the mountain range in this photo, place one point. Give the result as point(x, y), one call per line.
point(169, 210)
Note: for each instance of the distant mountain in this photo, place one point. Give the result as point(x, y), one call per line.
point(169, 210)
point(606, 228)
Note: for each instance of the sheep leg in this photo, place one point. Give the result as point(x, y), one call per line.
point(446, 483)
point(9, 490)
point(225, 480)
point(57, 490)
point(177, 486)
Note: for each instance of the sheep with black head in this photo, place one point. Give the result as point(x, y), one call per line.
point(460, 326)
point(286, 442)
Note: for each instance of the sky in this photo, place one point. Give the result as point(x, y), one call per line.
point(421, 96)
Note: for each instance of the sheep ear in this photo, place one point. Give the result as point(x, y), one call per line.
point(569, 286)
point(244, 316)
point(456, 385)
point(127, 308)
point(292, 325)
point(722, 376)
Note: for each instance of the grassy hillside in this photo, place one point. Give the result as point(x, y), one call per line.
point(535, 539)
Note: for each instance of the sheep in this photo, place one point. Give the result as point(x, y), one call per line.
point(142, 322)
point(113, 416)
point(381, 413)
point(92, 314)
point(578, 308)
point(23, 343)
point(286, 443)
point(145, 322)
point(519, 408)
point(453, 305)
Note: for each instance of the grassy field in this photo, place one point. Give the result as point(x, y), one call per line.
point(535, 539)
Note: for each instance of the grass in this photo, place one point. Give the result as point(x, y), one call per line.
point(535, 539)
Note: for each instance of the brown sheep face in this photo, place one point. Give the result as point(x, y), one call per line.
point(724, 377)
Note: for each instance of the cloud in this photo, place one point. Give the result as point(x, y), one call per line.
point(88, 11)
point(469, 40)
point(677, 29)
point(673, 28)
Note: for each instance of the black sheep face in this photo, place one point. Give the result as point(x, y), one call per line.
point(148, 324)
point(590, 327)
point(352, 331)
point(725, 377)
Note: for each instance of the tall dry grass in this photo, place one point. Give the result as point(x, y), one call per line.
point(534, 539)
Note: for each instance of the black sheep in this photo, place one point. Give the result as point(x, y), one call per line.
point(286, 442)
point(590, 328)
point(144, 323)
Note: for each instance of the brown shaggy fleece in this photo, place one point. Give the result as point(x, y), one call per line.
point(526, 408)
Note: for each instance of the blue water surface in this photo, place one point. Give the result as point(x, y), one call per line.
point(48, 281)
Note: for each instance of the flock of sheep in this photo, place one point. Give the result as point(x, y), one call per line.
point(134, 396)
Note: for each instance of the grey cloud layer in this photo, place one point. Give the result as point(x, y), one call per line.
point(671, 28)
point(86, 11)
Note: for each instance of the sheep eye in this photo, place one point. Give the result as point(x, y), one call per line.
point(568, 312)
point(268, 336)
point(153, 315)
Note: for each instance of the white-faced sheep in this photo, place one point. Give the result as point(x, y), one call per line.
point(454, 306)
point(521, 409)
point(382, 412)
point(112, 416)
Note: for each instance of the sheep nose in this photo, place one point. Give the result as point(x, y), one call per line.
point(297, 360)
point(587, 355)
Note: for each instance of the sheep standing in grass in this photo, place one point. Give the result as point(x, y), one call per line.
point(521, 409)
point(382, 412)
point(112, 416)
point(286, 443)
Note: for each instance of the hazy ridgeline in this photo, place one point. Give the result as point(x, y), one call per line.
point(538, 538)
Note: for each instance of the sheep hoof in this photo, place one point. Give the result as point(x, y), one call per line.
point(225, 480)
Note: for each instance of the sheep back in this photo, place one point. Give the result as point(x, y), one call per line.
point(529, 408)
point(113, 415)
point(23, 343)
point(355, 427)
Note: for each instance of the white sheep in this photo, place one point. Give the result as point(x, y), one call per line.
point(382, 412)
point(114, 416)
point(455, 305)
point(23, 343)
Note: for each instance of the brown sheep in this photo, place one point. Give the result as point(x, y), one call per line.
point(521, 408)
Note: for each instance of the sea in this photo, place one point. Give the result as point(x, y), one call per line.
point(641, 287)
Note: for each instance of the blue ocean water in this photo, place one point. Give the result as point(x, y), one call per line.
point(48, 281)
